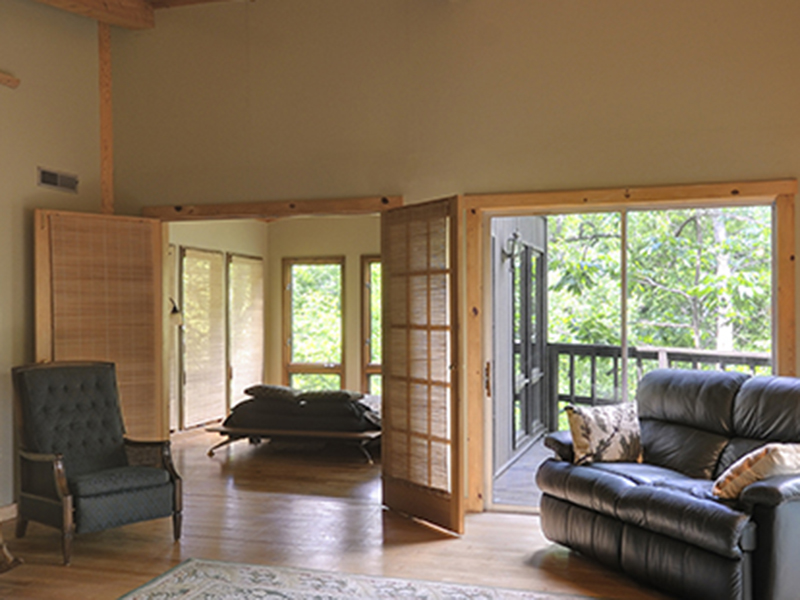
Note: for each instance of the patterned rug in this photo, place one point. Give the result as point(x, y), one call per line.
point(211, 579)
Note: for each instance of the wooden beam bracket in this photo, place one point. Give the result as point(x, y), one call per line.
point(9, 80)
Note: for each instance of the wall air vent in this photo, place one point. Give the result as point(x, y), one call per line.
point(60, 181)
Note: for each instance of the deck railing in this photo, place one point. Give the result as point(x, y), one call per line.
point(593, 372)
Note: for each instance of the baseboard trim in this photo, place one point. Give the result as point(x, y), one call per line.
point(8, 512)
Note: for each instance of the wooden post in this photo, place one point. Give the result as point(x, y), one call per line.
point(106, 120)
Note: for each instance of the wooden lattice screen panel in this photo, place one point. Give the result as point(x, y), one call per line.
point(98, 297)
point(204, 362)
point(418, 425)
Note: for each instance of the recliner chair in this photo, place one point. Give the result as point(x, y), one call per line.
point(78, 472)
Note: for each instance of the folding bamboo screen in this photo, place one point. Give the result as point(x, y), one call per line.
point(419, 454)
point(204, 360)
point(245, 324)
point(98, 297)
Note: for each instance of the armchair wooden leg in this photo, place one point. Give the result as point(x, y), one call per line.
point(177, 523)
point(66, 544)
point(22, 526)
point(7, 561)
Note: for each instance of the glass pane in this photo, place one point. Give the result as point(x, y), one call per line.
point(376, 385)
point(375, 290)
point(315, 381)
point(584, 303)
point(317, 313)
point(699, 288)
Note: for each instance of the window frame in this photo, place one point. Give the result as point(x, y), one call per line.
point(288, 367)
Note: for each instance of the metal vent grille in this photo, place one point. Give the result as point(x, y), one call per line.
point(60, 181)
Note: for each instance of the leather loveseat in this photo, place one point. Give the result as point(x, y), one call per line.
point(658, 521)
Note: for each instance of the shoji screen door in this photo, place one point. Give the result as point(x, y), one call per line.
point(422, 465)
point(98, 297)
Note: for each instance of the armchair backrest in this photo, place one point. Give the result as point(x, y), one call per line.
point(72, 409)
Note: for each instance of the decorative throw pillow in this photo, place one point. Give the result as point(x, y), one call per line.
point(605, 433)
point(329, 396)
point(275, 393)
point(766, 461)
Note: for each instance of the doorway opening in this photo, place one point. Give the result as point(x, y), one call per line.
point(584, 304)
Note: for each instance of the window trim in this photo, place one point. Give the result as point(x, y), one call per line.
point(288, 367)
point(368, 367)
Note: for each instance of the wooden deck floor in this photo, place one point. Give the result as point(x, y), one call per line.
point(302, 507)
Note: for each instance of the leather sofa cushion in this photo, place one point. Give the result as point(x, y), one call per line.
point(688, 450)
point(768, 408)
point(683, 516)
point(652, 498)
point(584, 486)
point(698, 399)
point(111, 481)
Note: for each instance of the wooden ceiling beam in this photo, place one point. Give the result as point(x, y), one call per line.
point(130, 14)
point(274, 209)
point(173, 3)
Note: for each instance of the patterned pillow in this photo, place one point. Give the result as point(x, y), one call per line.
point(605, 433)
point(763, 462)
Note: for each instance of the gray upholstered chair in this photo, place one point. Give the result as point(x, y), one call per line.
point(77, 471)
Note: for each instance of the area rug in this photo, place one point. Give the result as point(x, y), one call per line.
point(211, 579)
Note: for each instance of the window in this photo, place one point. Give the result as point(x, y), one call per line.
point(635, 290)
point(313, 322)
point(371, 331)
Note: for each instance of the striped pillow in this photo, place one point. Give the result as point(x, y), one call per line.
point(763, 462)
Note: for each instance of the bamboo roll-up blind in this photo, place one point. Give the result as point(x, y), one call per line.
point(245, 324)
point(204, 364)
point(98, 297)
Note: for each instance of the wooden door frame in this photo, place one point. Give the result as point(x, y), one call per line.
point(476, 209)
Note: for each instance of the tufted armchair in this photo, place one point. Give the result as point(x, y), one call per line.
point(77, 470)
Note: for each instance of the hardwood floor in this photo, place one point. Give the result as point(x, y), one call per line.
point(306, 507)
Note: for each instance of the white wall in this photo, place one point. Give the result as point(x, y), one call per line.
point(278, 99)
point(234, 236)
point(50, 120)
point(351, 237)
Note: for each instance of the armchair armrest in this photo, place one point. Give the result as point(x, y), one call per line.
point(43, 475)
point(561, 443)
point(771, 491)
point(151, 454)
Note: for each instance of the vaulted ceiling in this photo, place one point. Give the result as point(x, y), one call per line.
point(130, 14)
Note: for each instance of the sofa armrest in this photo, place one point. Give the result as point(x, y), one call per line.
point(560, 442)
point(771, 491)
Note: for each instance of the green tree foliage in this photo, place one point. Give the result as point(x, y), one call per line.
point(584, 279)
point(698, 277)
point(316, 313)
point(691, 274)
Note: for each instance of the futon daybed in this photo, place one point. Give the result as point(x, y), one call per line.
point(713, 509)
point(278, 412)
